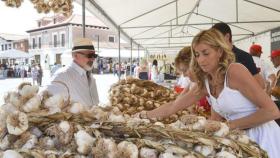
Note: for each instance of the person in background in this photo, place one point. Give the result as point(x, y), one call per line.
point(187, 80)
point(154, 71)
point(275, 90)
point(34, 74)
point(143, 70)
point(40, 75)
point(182, 62)
point(55, 68)
point(240, 55)
point(233, 93)
point(77, 77)
point(264, 68)
point(22, 72)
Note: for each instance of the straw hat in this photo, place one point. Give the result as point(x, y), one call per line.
point(82, 44)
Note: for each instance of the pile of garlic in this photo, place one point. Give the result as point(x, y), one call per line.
point(43, 125)
point(132, 95)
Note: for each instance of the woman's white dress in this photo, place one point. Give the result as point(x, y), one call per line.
point(231, 104)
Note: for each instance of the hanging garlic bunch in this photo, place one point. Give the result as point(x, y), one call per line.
point(64, 7)
point(13, 3)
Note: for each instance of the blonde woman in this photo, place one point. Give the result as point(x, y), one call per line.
point(233, 93)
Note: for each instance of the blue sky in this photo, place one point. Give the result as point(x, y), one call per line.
point(18, 20)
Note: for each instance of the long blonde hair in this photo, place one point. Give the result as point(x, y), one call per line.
point(216, 40)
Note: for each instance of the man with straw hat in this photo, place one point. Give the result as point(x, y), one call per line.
point(77, 77)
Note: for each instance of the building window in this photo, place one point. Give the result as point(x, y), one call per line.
point(112, 39)
point(62, 40)
point(10, 46)
point(6, 46)
point(55, 40)
point(39, 42)
point(33, 43)
point(2, 46)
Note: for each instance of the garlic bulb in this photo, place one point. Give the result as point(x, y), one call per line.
point(116, 118)
point(84, 141)
point(17, 123)
point(27, 91)
point(4, 143)
point(223, 131)
point(98, 113)
point(134, 122)
point(33, 104)
point(36, 131)
point(105, 148)
point(189, 156)
point(30, 144)
point(3, 117)
point(178, 125)
point(204, 149)
point(54, 103)
point(159, 124)
point(199, 125)
point(13, 98)
point(169, 155)
point(47, 143)
point(77, 108)
point(243, 139)
point(8, 108)
point(148, 153)
point(127, 149)
point(11, 154)
point(64, 126)
point(175, 150)
point(225, 154)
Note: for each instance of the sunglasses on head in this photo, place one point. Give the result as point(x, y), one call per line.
point(91, 55)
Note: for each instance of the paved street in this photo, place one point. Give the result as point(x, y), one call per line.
point(103, 85)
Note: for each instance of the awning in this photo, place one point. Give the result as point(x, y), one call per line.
point(14, 54)
point(157, 25)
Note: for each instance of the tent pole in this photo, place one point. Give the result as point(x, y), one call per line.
point(130, 58)
point(84, 19)
point(119, 34)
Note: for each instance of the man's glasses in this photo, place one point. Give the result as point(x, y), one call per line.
point(91, 55)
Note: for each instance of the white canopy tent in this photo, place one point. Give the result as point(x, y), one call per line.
point(14, 54)
point(168, 25)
